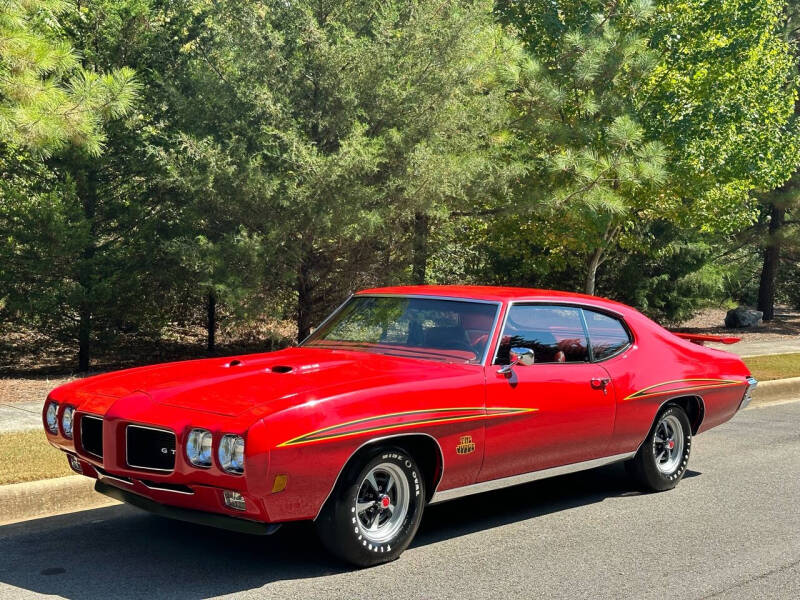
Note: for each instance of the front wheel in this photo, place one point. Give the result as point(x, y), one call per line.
point(375, 510)
point(661, 461)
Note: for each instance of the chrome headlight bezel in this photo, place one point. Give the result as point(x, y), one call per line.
point(67, 421)
point(231, 454)
point(51, 417)
point(199, 448)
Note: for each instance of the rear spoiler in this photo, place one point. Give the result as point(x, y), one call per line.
point(701, 339)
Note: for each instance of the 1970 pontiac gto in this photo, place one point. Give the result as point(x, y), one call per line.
point(403, 397)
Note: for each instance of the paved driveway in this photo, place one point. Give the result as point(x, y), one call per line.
point(730, 530)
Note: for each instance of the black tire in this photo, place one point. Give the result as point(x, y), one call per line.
point(344, 532)
point(652, 470)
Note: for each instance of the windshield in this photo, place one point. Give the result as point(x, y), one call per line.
point(410, 326)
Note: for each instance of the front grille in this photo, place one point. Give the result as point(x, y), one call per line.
point(92, 435)
point(148, 448)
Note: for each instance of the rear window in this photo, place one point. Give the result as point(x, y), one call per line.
point(607, 334)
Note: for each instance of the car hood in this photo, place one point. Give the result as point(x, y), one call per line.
point(262, 383)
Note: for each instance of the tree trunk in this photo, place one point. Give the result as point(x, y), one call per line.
point(772, 254)
point(211, 323)
point(591, 271)
point(305, 301)
point(84, 340)
point(86, 188)
point(419, 260)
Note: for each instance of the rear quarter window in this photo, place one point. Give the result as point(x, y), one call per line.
point(607, 334)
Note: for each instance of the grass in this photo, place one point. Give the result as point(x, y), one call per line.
point(27, 456)
point(774, 366)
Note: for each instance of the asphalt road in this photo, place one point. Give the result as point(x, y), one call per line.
point(731, 529)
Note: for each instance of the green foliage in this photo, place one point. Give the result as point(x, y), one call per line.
point(595, 168)
point(82, 254)
point(338, 123)
point(47, 98)
point(674, 278)
point(636, 114)
point(273, 156)
point(723, 94)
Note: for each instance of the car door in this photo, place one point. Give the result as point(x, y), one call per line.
point(571, 399)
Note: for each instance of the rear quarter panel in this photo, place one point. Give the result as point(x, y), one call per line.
point(660, 367)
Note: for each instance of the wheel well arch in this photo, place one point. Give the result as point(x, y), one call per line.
point(423, 447)
point(695, 409)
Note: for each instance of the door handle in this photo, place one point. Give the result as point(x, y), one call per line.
point(600, 383)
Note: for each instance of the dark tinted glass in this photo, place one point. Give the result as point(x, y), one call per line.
point(608, 335)
point(423, 327)
point(554, 333)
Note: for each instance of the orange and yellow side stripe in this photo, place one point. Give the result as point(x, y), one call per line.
point(695, 384)
point(410, 418)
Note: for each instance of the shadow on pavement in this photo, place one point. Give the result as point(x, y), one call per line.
point(120, 552)
point(518, 503)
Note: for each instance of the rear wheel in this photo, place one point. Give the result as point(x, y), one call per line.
point(663, 457)
point(376, 508)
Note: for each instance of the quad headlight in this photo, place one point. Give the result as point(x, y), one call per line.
point(198, 447)
point(66, 421)
point(51, 417)
point(231, 453)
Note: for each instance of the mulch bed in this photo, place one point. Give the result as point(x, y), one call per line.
point(32, 364)
point(712, 321)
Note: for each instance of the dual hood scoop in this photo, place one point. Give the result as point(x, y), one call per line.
point(276, 369)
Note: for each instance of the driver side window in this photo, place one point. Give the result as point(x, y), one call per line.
point(554, 333)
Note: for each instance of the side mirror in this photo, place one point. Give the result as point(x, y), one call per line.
point(522, 356)
point(519, 356)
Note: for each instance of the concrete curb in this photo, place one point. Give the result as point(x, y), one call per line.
point(776, 390)
point(23, 501)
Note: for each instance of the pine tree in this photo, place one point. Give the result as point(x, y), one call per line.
point(342, 125)
point(47, 98)
point(635, 113)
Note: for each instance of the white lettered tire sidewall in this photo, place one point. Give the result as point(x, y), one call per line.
point(337, 524)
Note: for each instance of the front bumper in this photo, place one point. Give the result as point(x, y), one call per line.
point(187, 514)
point(168, 492)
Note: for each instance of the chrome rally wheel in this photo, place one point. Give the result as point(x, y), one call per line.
point(668, 444)
point(382, 503)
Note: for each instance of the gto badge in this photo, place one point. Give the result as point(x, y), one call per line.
point(465, 445)
point(167, 451)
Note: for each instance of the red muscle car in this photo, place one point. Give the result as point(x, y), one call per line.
point(403, 397)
